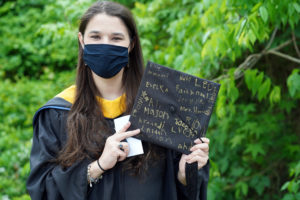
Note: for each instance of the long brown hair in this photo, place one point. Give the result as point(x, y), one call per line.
point(86, 125)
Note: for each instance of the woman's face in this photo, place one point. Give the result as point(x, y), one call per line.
point(105, 29)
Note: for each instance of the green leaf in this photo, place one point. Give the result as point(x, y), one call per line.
point(244, 188)
point(250, 79)
point(287, 105)
point(239, 30)
point(237, 140)
point(252, 36)
point(257, 82)
point(233, 92)
point(293, 83)
point(263, 13)
point(256, 6)
point(293, 186)
point(290, 196)
point(264, 89)
point(296, 170)
point(285, 186)
point(260, 183)
point(254, 83)
point(255, 149)
point(275, 95)
point(296, 6)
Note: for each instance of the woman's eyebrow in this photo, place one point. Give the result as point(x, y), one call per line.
point(118, 34)
point(114, 34)
point(94, 32)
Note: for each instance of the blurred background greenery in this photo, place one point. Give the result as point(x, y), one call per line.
point(251, 47)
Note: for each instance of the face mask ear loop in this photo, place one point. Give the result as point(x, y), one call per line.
point(83, 48)
point(83, 44)
point(83, 41)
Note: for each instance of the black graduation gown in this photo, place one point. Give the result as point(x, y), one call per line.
point(48, 180)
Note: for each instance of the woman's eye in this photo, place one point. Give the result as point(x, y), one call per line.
point(95, 37)
point(117, 38)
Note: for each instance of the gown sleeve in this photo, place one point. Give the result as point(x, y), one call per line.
point(47, 180)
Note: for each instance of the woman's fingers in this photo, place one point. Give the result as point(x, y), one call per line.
point(201, 160)
point(125, 127)
point(202, 146)
point(124, 147)
point(123, 135)
point(122, 150)
point(113, 152)
point(201, 140)
point(114, 149)
point(197, 152)
point(122, 155)
point(195, 158)
point(200, 152)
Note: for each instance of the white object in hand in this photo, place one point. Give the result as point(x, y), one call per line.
point(135, 145)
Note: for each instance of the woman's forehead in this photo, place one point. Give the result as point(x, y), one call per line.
point(105, 24)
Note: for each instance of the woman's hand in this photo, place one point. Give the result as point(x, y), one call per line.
point(200, 152)
point(115, 150)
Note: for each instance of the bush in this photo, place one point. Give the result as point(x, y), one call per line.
point(29, 40)
point(250, 47)
point(18, 102)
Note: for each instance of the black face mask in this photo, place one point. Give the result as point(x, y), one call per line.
point(105, 60)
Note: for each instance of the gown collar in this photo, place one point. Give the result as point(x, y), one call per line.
point(110, 108)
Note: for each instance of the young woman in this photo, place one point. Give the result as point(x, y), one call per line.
point(75, 152)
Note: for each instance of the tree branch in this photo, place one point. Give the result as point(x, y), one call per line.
point(272, 39)
point(286, 43)
point(252, 59)
point(284, 56)
point(295, 44)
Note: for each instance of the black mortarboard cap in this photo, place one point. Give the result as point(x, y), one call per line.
point(172, 108)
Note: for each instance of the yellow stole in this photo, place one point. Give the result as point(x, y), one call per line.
point(110, 108)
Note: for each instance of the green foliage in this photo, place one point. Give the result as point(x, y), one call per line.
point(38, 36)
point(251, 157)
point(293, 186)
point(18, 103)
point(293, 83)
point(247, 46)
point(256, 84)
point(253, 136)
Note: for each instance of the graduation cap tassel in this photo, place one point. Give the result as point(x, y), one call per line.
point(191, 172)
